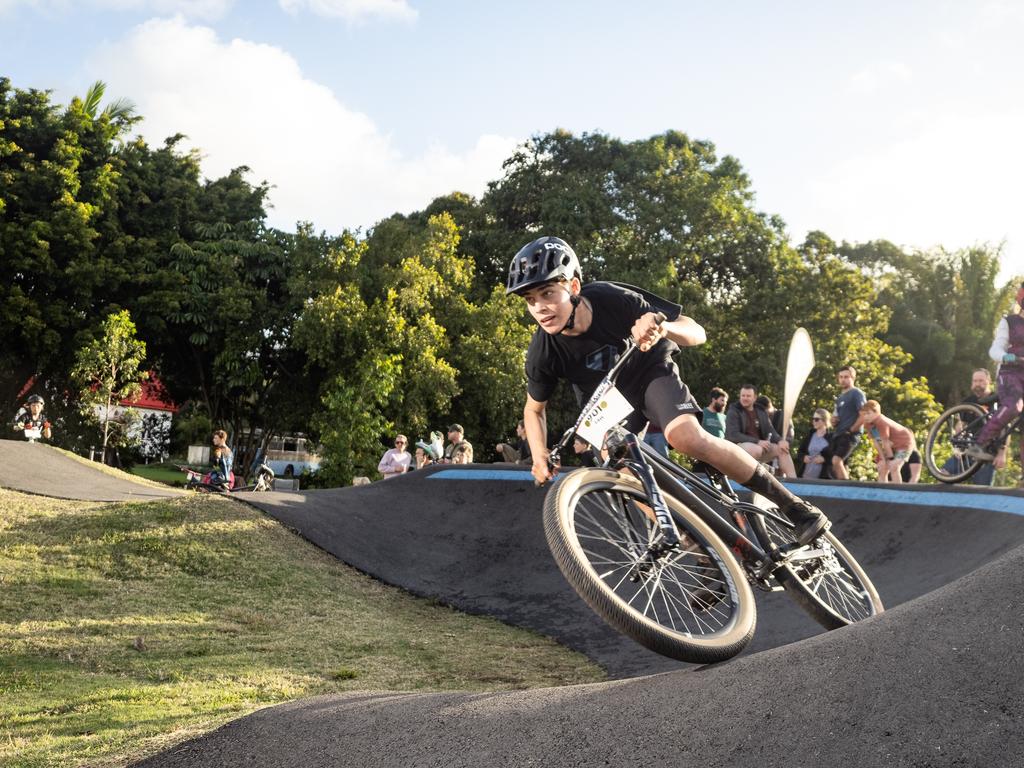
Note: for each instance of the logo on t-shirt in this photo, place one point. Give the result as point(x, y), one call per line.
point(602, 359)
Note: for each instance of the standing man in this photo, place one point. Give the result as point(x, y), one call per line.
point(713, 419)
point(749, 426)
point(395, 461)
point(846, 417)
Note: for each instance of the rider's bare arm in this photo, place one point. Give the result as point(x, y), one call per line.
point(684, 331)
point(536, 425)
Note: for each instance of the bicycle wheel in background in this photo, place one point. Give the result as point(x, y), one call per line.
point(692, 603)
point(950, 436)
point(825, 579)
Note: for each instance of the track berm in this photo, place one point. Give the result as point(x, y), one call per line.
point(937, 680)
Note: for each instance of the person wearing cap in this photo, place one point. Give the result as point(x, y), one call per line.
point(456, 436)
point(31, 417)
point(580, 336)
point(1008, 350)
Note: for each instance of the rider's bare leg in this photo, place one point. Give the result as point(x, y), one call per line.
point(686, 435)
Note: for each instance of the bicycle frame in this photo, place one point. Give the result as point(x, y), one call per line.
point(659, 475)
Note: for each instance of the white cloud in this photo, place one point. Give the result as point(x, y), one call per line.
point(244, 103)
point(950, 183)
point(880, 75)
point(207, 10)
point(354, 10)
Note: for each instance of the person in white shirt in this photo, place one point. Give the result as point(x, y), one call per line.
point(395, 460)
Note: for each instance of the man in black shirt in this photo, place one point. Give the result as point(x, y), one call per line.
point(581, 335)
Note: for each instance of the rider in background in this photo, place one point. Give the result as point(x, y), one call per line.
point(31, 416)
point(582, 332)
point(222, 460)
point(1008, 350)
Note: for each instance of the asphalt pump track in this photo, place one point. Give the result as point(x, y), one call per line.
point(937, 680)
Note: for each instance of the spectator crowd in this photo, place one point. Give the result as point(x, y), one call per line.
point(820, 451)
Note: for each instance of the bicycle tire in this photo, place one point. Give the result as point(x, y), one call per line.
point(832, 588)
point(946, 443)
point(694, 604)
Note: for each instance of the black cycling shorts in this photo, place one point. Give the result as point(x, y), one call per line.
point(845, 444)
point(665, 397)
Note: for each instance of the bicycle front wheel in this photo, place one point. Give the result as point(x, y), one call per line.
point(825, 579)
point(692, 603)
point(950, 436)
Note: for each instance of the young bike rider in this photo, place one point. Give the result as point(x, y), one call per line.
point(1008, 350)
point(582, 332)
point(31, 416)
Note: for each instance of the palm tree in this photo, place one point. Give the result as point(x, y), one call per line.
point(120, 109)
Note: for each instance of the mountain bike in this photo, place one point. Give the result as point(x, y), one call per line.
point(956, 430)
point(670, 556)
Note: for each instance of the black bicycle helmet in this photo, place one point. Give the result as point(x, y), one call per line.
point(35, 399)
point(543, 260)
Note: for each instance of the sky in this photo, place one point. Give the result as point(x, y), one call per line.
point(891, 120)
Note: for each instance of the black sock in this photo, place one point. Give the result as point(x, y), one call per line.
point(768, 485)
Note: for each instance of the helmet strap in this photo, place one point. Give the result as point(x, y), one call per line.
point(575, 301)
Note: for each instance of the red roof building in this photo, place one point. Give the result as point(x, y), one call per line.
point(152, 397)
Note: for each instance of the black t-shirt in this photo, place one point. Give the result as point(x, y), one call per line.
point(584, 360)
point(24, 416)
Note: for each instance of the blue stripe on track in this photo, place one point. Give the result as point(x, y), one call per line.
point(481, 474)
point(990, 501)
point(1013, 505)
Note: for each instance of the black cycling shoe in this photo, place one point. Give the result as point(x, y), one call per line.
point(809, 521)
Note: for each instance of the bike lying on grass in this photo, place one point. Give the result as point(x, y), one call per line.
point(956, 430)
point(668, 556)
point(202, 481)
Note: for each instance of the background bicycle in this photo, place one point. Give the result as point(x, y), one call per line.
point(953, 433)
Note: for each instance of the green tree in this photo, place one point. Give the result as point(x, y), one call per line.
point(121, 109)
point(107, 371)
point(58, 176)
point(944, 305)
point(665, 213)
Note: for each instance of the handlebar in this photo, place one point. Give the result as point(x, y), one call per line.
point(606, 383)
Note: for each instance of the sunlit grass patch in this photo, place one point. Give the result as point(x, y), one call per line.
point(125, 628)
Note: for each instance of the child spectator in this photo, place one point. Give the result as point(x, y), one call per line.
point(893, 441)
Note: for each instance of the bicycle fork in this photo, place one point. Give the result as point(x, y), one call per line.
point(668, 538)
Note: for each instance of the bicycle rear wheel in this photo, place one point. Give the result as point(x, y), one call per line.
point(692, 603)
point(825, 579)
point(950, 436)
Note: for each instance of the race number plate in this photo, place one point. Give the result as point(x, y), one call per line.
point(33, 434)
point(608, 411)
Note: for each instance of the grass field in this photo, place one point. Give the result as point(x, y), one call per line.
point(127, 628)
point(161, 473)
